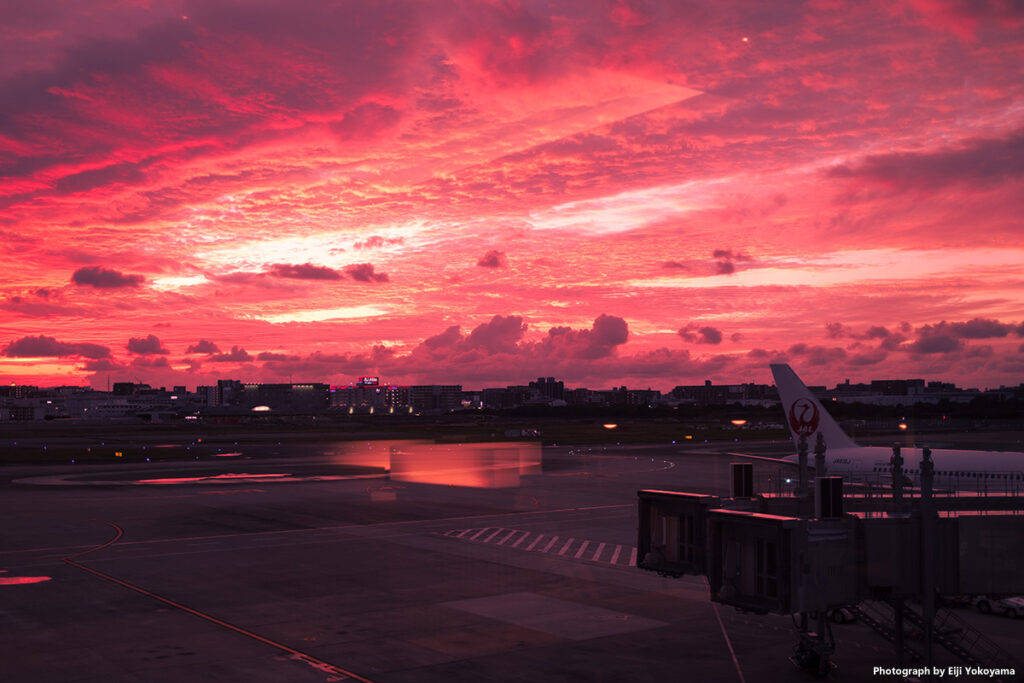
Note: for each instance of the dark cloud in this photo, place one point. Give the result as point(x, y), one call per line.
point(493, 259)
point(674, 265)
point(42, 346)
point(725, 268)
point(269, 355)
point(702, 335)
point(363, 272)
point(817, 355)
point(102, 365)
point(305, 271)
point(447, 339)
point(144, 347)
point(736, 337)
point(976, 328)
point(936, 344)
point(983, 351)
point(836, 330)
point(600, 341)
point(105, 278)
point(147, 362)
point(726, 260)
point(872, 357)
point(236, 355)
point(203, 346)
point(977, 161)
point(499, 335)
point(877, 332)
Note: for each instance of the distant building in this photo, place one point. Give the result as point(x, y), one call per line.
point(435, 397)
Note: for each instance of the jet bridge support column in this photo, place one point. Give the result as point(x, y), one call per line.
point(801, 489)
point(819, 456)
point(896, 468)
point(929, 556)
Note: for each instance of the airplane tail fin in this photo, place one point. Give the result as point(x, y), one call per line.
point(804, 414)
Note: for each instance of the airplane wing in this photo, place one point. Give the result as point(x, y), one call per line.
point(764, 458)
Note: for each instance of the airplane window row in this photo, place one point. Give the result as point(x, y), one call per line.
point(976, 475)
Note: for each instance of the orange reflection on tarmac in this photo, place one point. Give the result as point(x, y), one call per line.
point(21, 580)
point(479, 465)
point(370, 453)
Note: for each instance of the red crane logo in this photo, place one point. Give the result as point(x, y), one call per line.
point(803, 416)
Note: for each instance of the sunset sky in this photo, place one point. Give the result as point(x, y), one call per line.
point(634, 192)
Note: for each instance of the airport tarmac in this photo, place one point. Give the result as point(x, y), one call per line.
point(300, 569)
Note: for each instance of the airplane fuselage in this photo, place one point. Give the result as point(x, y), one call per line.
point(963, 469)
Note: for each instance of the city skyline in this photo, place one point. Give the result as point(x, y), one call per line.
point(620, 193)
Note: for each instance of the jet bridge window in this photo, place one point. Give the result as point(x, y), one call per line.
point(687, 538)
point(767, 575)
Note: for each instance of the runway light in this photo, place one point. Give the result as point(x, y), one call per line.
point(118, 454)
point(903, 425)
point(689, 436)
point(738, 423)
point(610, 425)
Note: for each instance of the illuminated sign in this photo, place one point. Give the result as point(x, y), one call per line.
point(369, 381)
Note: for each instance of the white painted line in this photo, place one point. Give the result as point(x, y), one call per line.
point(615, 555)
point(597, 553)
point(550, 543)
point(632, 557)
point(463, 533)
point(566, 546)
point(536, 541)
point(510, 535)
point(579, 553)
point(496, 532)
point(473, 537)
point(521, 539)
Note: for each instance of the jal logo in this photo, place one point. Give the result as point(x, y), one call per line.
point(803, 416)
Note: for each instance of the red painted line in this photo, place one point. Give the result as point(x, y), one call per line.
point(317, 664)
point(521, 539)
point(508, 536)
point(721, 624)
point(579, 553)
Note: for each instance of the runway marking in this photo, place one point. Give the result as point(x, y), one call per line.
point(339, 527)
point(570, 548)
point(318, 664)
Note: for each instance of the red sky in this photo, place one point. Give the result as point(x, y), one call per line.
point(649, 193)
